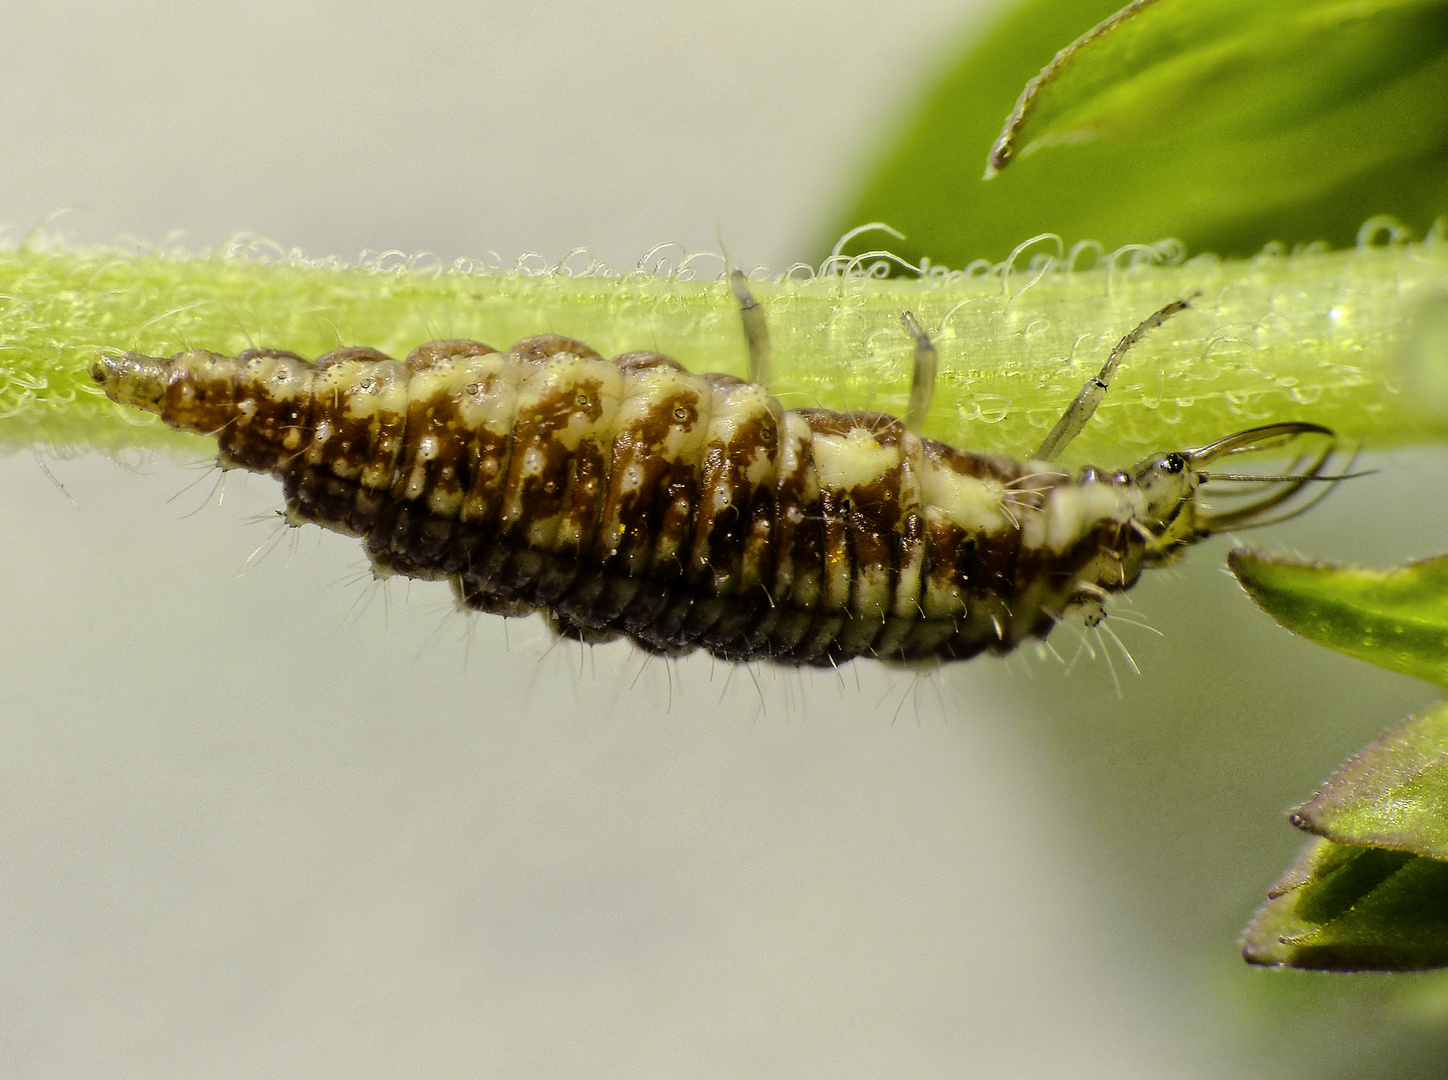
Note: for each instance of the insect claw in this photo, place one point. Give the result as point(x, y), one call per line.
point(1253, 440)
point(1286, 485)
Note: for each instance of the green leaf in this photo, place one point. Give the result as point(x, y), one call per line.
point(1397, 619)
point(1372, 894)
point(1394, 794)
point(1354, 909)
point(1227, 124)
point(1235, 68)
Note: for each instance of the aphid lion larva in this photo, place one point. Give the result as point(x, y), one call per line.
point(629, 497)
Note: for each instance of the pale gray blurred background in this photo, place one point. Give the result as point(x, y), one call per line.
point(290, 823)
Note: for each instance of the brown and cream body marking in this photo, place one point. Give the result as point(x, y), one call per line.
point(629, 497)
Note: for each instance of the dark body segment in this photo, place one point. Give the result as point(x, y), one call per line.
point(630, 497)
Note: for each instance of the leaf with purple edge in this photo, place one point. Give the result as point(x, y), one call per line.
point(1372, 892)
point(1354, 909)
point(1394, 794)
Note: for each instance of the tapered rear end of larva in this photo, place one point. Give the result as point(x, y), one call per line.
point(132, 379)
point(256, 405)
point(192, 391)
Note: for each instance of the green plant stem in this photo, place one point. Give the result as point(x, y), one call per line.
point(1319, 336)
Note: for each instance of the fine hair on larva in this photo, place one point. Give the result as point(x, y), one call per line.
point(628, 497)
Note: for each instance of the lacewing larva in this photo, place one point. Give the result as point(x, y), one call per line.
point(629, 497)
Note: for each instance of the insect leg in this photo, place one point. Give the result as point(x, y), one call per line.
point(1080, 411)
point(756, 330)
point(922, 378)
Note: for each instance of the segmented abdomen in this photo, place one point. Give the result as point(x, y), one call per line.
point(630, 497)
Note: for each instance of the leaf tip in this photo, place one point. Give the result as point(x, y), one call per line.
point(1262, 945)
point(1239, 557)
point(1303, 817)
point(1246, 565)
point(1001, 154)
point(1260, 953)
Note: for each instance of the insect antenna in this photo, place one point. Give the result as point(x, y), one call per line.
point(1322, 493)
point(1248, 478)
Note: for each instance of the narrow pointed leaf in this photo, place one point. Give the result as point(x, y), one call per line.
point(1397, 619)
point(1394, 794)
point(1221, 67)
point(1227, 124)
point(1354, 909)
